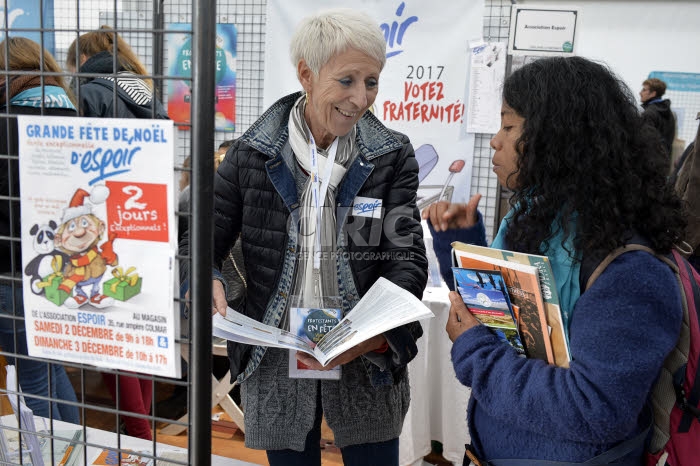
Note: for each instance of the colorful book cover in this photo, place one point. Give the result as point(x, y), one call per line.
point(486, 296)
point(311, 325)
point(524, 291)
point(550, 295)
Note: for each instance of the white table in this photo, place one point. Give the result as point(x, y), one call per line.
point(109, 440)
point(438, 409)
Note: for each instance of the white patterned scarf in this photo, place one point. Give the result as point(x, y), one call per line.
point(305, 284)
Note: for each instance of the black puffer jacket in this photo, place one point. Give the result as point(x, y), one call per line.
point(247, 200)
point(135, 98)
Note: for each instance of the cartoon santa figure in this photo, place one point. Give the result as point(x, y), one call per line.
point(78, 236)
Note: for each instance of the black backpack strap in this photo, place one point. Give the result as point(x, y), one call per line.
point(587, 278)
point(592, 262)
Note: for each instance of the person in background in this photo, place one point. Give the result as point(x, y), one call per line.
point(686, 181)
point(263, 191)
point(223, 147)
point(26, 94)
point(657, 112)
point(586, 175)
point(232, 269)
point(184, 196)
point(93, 52)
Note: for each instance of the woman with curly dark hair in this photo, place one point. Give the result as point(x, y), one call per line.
point(587, 175)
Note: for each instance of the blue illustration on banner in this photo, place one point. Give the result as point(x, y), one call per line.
point(22, 15)
point(394, 31)
point(179, 59)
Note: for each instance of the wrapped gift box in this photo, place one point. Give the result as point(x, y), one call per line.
point(51, 291)
point(50, 283)
point(124, 285)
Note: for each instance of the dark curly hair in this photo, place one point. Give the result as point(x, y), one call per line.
point(584, 153)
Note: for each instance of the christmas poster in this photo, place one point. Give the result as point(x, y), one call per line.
point(99, 241)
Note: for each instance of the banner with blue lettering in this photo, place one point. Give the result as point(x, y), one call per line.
point(23, 15)
point(98, 241)
point(423, 88)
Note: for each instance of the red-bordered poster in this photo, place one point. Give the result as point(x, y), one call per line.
point(99, 241)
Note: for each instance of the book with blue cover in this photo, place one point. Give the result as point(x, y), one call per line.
point(311, 325)
point(485, 294)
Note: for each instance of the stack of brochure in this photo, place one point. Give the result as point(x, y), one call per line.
point(383, 307)
point(532, 295)
point(108, 457)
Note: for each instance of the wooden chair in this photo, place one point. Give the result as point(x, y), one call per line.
point(5, 407)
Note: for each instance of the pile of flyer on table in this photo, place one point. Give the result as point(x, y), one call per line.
point(64, 446)
point(32, 446)
point(515, 295)
point(383, 307)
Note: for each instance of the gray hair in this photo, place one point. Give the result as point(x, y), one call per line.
point(321, 36)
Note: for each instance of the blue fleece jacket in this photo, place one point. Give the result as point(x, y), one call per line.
point(621, 331)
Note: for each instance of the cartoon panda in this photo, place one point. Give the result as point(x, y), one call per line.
point(43, 244)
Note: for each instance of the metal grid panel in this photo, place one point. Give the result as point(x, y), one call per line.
point(249, 18)
point(689, 102)
point(484, 181)
point(133, 21)
point(70, 16)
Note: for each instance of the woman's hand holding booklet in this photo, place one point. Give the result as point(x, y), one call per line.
point(383, 307)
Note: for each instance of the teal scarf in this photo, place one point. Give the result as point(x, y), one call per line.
point(54, 97)
point(566, 270)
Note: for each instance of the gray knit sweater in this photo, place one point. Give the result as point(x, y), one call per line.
point(279, 411)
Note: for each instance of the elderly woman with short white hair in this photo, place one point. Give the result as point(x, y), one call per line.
point(264, 191)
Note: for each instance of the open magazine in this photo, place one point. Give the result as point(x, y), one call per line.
point(383, 307)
